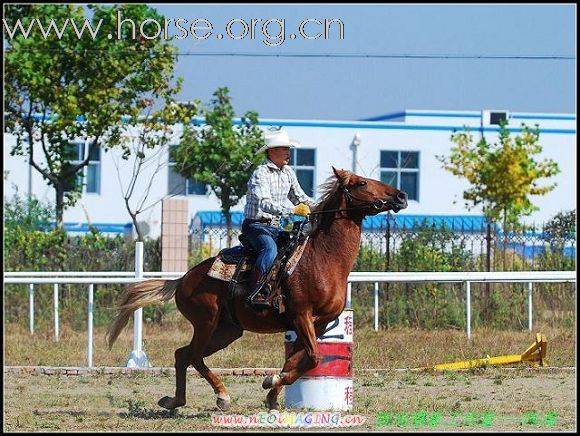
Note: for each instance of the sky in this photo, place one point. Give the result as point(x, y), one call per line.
point(390, 58)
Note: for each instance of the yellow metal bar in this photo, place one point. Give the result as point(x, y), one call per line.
point(534, 354)
point(499, 360)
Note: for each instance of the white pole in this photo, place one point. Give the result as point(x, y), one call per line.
point(376, 306)
point(138, 358)
point(138, 316)
point(349, 295)
point(530, 306)
point(31, 308)
point(90, 328)
point(468, 303)
point(56, 331)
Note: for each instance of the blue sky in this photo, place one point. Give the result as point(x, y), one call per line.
point(345, 88)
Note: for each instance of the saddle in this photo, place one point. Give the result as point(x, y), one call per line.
point(233, 264)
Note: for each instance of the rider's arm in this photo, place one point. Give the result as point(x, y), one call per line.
point(261, 185)
point(296, 194)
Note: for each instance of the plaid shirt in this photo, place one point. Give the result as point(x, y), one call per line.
point(269, 188)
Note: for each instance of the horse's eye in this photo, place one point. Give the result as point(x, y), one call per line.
point(362, 183)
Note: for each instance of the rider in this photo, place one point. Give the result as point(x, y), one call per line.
point(272, 183)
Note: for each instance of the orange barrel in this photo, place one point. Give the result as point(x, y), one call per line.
point(328, 386)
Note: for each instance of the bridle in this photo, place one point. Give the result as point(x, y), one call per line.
point(364, 204)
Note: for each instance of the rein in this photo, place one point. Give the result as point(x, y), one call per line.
point(377, 204)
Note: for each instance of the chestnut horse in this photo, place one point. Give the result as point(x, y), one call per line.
point(316, 291)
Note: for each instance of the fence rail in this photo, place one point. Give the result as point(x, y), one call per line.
point(137, 357)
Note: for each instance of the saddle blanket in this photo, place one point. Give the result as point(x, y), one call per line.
point(225, 271)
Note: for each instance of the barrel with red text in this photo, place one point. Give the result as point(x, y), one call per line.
point(328, 386)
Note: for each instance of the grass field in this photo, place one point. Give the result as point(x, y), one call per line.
point(393, 348)
point(499, 399)
point(476, 400)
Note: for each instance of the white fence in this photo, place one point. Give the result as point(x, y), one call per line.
point(137, 358)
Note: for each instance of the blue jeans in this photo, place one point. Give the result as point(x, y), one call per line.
point(263, 239)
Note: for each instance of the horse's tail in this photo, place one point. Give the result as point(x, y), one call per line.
point(136, 295)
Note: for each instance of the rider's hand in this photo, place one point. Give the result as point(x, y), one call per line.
point(302, 209)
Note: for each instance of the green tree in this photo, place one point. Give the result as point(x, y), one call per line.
point(75, 83)
point(219, 154)
point(502, 175)
point(561, 226)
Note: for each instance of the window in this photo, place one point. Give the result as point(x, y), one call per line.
point(401, 169)
point(179, 185)
point(494, 117)
point(90, 175)
point(302, 161)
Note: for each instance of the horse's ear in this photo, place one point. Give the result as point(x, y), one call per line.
point(340, 174)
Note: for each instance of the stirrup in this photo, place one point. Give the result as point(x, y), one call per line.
point(259, 304)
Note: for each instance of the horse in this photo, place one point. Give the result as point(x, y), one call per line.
point(316, 291)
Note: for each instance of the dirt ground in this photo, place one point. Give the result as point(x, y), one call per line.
point(492, 399)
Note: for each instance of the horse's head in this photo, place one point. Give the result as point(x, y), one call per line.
point(372, 196)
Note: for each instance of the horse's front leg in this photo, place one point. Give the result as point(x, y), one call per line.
point(304, 357)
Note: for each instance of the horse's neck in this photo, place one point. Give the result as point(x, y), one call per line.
point(339, 241)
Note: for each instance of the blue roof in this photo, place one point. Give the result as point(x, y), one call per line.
point(217, 219)
point(377, 222)
point(101, 227)
point(473, 223)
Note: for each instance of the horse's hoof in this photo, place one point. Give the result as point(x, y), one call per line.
point(269, 381)
point(272, 400)
point(223, 403)
point(169, 403)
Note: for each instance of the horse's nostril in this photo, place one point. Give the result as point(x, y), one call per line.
point(402, 196)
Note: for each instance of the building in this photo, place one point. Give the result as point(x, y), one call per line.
point(398, 148)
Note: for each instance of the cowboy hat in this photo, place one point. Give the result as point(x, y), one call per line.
point(277, 138)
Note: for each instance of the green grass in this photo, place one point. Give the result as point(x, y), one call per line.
point(392, 348)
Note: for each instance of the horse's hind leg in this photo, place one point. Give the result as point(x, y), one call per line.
point(182, 361)
point(224, 335)
point(199, 350)
point(193, 353)
point(221, 338)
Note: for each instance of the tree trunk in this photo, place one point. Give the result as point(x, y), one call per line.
point(226, 210)
point(487, 291)
point(228, 217)
point(134, 220)
point(59, 190)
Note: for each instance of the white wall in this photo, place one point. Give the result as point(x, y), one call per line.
point(425, 131)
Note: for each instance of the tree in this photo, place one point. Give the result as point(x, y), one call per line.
point(148, 149)
point(66, 83)
point(220, 154)
point(561, 228)
point(503, 175)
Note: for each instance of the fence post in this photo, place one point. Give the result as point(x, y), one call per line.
point(530, 306)
point(90, 328)
point(31, 307)
point(138, 358)
point(349, 295)
point(468, 308)
point(56, 332)
point(376, 306)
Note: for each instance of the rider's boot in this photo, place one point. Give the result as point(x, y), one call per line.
point(258, 297)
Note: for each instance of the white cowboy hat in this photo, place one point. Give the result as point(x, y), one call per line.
point(277, 138)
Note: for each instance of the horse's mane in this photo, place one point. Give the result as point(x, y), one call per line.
point(328, 199)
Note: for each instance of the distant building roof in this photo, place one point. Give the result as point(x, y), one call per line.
point(466, 223)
